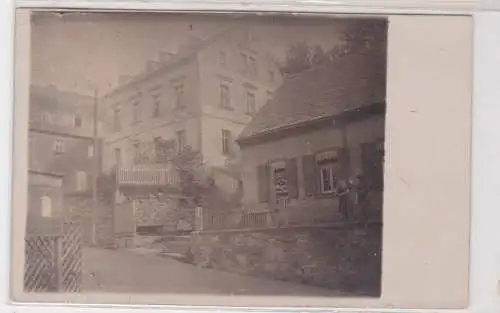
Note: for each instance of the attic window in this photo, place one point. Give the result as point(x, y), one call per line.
point(59, 147)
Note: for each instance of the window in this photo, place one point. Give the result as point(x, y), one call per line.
point(46, 118)
point(327, 168)
point(179, 96)
point(181, 140)
point(90, 151)
point(135, 112)
point(250, 100)
point(225, 97)
point(252, 63)
point(59, 147)
point(280, 183)
point(156, 104)
point(327, 178)
point(160, 150)
point(46, 206)
point(118, 157)
point(221, 58)
point(244, 62)
point(136, 152)
point(81, 181)
point(116, 119)
point(249, 64)
point(78, 121)
point(226, 141)
point(271, 76)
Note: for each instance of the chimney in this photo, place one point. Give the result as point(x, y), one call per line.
point(123, 79)
point(165, 57)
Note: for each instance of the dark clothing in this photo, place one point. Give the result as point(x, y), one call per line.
point(344, 206)
point(343, 193)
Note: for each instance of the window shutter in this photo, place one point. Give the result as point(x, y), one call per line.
point(311, 181)
point(263, 181)
point(291, 178)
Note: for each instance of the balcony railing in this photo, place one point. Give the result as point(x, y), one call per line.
point(146, 176)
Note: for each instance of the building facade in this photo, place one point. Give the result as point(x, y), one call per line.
point(202, 97)
point(322, 127)
point(61, 144)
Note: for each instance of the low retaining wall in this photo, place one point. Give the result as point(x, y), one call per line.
point(346, 258)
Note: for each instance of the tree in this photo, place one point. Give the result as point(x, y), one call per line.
point(195, 180)
point(298, 59)
point(367, 35)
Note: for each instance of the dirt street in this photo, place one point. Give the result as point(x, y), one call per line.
point(132, 272)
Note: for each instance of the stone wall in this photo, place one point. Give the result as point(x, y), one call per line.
point(105, 225)
point(345, 258)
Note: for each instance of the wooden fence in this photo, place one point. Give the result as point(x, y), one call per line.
point(53, 262)
point(291, 216)
point(306, 214)
point(206, 220)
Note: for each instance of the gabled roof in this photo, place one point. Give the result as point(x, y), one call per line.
point(345, 84)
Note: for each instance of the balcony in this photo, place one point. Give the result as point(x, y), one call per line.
point(146, 175)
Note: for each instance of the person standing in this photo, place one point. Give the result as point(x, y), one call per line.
point(343, 195)
point(354, 184)
point(363, 199)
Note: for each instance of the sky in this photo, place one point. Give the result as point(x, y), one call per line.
point(80, 52)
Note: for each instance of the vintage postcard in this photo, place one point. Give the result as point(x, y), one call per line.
point(214, 159)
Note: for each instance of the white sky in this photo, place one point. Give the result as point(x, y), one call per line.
point(78, 52)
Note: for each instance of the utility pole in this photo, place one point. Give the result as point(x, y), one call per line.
point(96, 167)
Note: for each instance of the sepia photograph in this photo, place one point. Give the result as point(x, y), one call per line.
point(202, 154)
point(204, 158)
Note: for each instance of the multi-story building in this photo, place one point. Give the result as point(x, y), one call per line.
point(61, 144)
point(202, 96)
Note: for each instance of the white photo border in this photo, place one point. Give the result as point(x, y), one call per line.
point(485, 243)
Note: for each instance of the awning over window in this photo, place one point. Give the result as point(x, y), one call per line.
point(330, 155)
